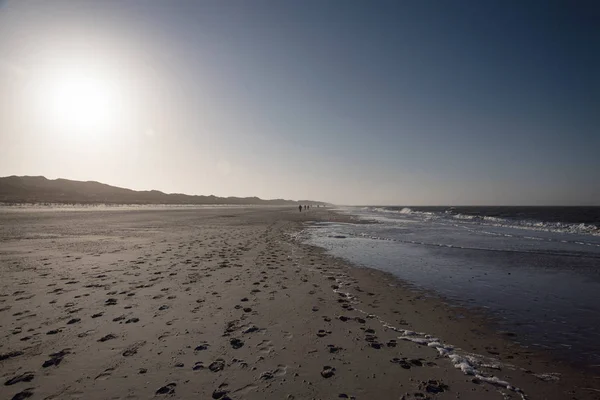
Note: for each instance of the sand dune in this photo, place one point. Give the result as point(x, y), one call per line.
point(38, 189)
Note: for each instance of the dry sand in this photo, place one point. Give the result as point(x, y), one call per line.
point(227, 303)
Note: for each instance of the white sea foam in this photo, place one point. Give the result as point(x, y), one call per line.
point(466, 363)
point(561, 227)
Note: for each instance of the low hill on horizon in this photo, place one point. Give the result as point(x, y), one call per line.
point(39, 189)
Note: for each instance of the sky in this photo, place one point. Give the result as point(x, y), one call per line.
point(350, 102)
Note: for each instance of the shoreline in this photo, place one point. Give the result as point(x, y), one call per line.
point(227, 303)
point(479, 337)
point(474, 313)
point(507, 328)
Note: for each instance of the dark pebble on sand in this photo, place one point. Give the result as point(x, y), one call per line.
point(73, 321)
point(236, 343)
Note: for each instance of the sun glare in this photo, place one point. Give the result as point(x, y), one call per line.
point(80, 101)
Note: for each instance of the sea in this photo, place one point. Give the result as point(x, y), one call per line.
point(534, 270)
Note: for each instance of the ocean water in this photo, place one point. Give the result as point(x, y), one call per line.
point(536, 270)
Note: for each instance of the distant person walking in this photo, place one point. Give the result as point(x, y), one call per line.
point(300, 208)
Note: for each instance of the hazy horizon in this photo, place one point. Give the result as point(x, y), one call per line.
point(347, 102)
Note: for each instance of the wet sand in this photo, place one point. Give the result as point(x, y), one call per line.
point(228, 303)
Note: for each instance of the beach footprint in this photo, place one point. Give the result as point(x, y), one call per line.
point(105, 374)
point(266, 346)
point(133, 349)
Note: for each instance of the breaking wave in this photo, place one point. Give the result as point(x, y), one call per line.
point(451, 214)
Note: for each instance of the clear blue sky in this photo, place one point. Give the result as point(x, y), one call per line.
point(352, 102)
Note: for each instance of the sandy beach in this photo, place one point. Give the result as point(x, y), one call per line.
point(228, 303)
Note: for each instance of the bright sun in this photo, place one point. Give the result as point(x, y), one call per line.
point(79, 101)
